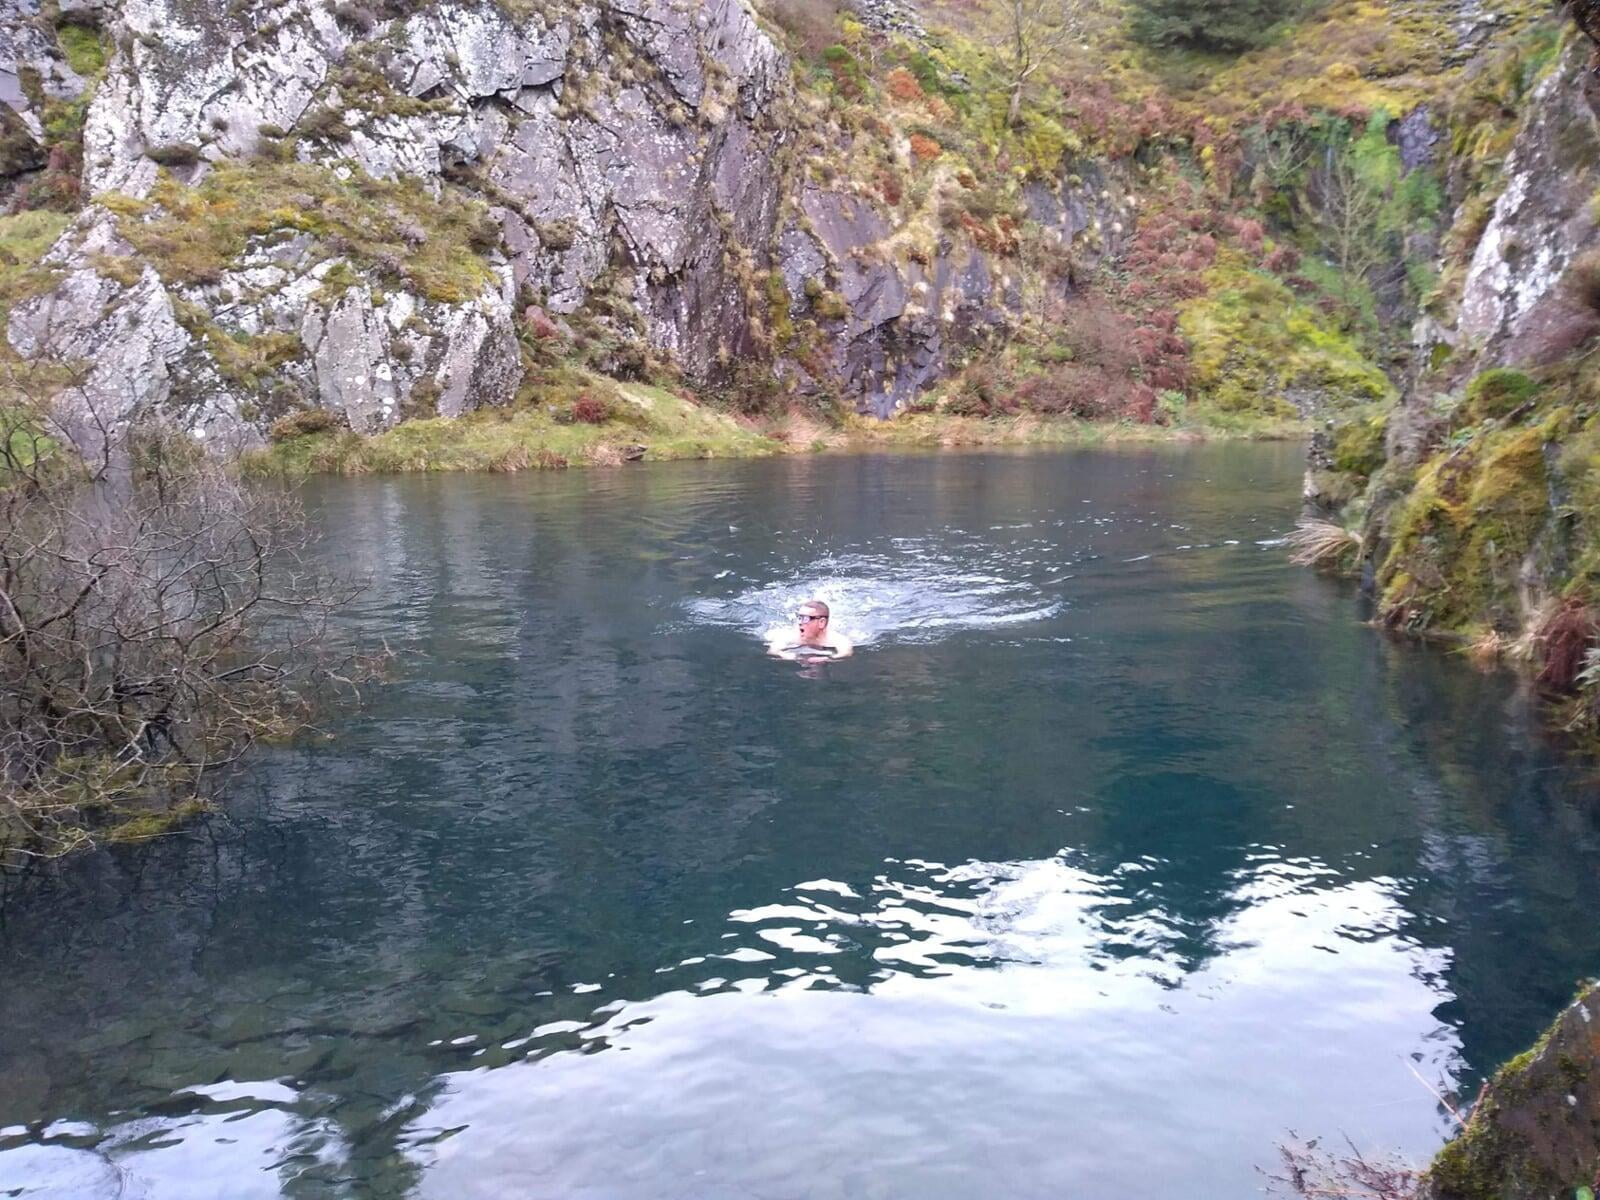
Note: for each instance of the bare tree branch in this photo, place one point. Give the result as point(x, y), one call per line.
point(157, 617)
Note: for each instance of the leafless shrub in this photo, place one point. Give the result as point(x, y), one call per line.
point(1311, 1171)
point(1315, 542)
point(158, 616)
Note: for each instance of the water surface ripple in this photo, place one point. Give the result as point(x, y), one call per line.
point(1120, 850)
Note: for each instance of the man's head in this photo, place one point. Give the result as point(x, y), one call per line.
point(813, 618)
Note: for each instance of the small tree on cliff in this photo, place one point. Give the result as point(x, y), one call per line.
point(1034, 34)
point(1227, 26)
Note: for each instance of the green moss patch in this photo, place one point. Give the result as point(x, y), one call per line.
point(1458, 539)
point(83, 49)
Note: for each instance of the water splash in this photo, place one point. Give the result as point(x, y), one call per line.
point(913, 591)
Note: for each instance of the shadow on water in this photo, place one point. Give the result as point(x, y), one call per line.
point(1120, 849)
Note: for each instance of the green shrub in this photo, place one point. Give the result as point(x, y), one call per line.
point(1228, 26)
point(1498, 392)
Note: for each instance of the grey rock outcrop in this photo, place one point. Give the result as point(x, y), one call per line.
point(1511, 306)
point(125, 336)
point(373, 356)
point(33, 71)
point(636, 153)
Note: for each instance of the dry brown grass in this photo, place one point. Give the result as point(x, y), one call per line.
point(1320, 543)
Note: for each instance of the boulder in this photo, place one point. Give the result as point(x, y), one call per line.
point(1535, 1131)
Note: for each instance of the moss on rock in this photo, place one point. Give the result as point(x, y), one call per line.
point(1536, 1128)
point(395, 230)
point(1459, 537)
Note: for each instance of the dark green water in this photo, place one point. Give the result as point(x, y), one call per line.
point(1119, 850)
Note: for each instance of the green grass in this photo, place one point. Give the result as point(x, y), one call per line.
point(84, 51)
point(24, 239)
point(523, 438)
point(531, 437)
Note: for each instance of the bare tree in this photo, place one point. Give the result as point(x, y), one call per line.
point(157, 616)
point(1036, 31)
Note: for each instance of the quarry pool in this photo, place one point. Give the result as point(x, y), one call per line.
point(1119, 851)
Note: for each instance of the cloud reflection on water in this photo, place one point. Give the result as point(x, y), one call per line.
point(763, 1054)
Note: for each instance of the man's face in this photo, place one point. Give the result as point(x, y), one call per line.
point(812, 624)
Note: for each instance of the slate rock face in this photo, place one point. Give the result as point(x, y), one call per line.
point(1512, 305)
point(636, 154)
point(32, 70)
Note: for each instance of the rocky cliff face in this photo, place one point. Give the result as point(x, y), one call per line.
point(1475, 497)
point(1535, 1131)
point(1512, 309)
point(629, 167)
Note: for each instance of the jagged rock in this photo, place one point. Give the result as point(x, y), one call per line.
point(1511, 305)
point(635, 155)
point(1091, 210)
point(123, 336)
point(576, 161)
point(891, 16)
point(372, 360)
point(1535, 1131)
point(900, 314)
point(24, 50)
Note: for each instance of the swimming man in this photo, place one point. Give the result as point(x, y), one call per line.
point(814, 640)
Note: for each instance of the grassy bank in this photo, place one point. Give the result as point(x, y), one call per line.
point(654, 426)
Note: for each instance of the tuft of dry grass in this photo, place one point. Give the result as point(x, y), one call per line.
point(1316, 542)
point(1488, 649)
point(1527, 647)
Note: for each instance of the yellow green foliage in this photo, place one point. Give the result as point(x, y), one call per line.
point(1357, 447)
point(1044, 143)
point(24, 239)
point(1498, 393)
point(1252, 342)
point(395, 229)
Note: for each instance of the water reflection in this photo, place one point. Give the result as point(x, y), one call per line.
point(1074, 890)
